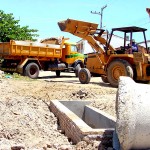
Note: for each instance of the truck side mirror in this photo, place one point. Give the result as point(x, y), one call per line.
point(148, 49)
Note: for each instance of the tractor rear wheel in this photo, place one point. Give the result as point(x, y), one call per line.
point(32, 70)
point(84, 76)
point(117, 68)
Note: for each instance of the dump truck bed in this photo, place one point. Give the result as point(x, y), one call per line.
point(23, 48)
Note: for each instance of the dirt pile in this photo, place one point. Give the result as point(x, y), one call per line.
point(26, 121)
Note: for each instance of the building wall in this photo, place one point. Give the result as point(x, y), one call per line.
point(85, 48)
point(116, 42)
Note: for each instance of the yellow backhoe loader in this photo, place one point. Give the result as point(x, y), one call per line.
point(108, 62)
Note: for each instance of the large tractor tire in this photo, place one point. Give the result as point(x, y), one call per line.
point(77, 69)
point(32, 70)
point(117, 68)
point(84, 76)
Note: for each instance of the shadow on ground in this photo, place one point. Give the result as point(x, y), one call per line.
point(52, 77)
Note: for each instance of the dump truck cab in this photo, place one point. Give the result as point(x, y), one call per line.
point(71, 59)
point(70, 54)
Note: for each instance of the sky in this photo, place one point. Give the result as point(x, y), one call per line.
point(44, 15)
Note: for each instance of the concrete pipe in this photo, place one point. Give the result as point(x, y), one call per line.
point(133, 114)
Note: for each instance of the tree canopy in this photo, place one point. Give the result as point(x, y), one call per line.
point(11, 30)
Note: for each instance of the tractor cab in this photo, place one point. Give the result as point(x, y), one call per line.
point(129, 34)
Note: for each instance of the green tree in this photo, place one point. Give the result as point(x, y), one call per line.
point(11, 30)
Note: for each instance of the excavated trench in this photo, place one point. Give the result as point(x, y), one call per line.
point(78, 121)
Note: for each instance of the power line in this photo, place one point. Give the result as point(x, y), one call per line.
point(145, 23)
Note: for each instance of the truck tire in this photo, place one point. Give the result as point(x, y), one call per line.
point(117, 68)
point(104, 79)
point(32, 70)
point(77, 69)
point(84, 76)
point(58, 73)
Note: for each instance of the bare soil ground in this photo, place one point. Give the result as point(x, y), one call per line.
point(25, 119)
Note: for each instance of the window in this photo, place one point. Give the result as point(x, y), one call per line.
point(74, 48)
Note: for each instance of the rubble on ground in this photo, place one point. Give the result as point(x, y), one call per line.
point(26, 121)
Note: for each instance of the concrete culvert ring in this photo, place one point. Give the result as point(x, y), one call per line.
point(132, 110)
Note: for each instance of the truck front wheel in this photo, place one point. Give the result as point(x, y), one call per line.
point(117, 68)
point(32, 70)
point(84, 76)
point(77, 69)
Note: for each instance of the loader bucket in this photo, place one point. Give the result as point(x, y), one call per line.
point(78, 28)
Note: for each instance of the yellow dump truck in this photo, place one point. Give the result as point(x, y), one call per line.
point(108, 62)
point(28, 58)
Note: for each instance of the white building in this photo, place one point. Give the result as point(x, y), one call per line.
point(85, 48)
point(143, 43)
point(116, 42)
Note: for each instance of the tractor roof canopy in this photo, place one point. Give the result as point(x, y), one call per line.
point(129, 29)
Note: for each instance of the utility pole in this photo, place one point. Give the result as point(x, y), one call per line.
point(101, 15)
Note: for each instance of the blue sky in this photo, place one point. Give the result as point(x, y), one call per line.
point(44, 14)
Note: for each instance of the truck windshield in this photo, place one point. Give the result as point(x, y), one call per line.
point(74, 48)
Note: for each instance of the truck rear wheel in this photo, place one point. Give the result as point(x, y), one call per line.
point(58, 73)
point(117, 68)
point(32, 70)
point(84, 76)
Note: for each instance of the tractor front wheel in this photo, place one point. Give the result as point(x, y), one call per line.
point(84, 76)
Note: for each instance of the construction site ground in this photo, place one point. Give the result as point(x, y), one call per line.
point(25, 119)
